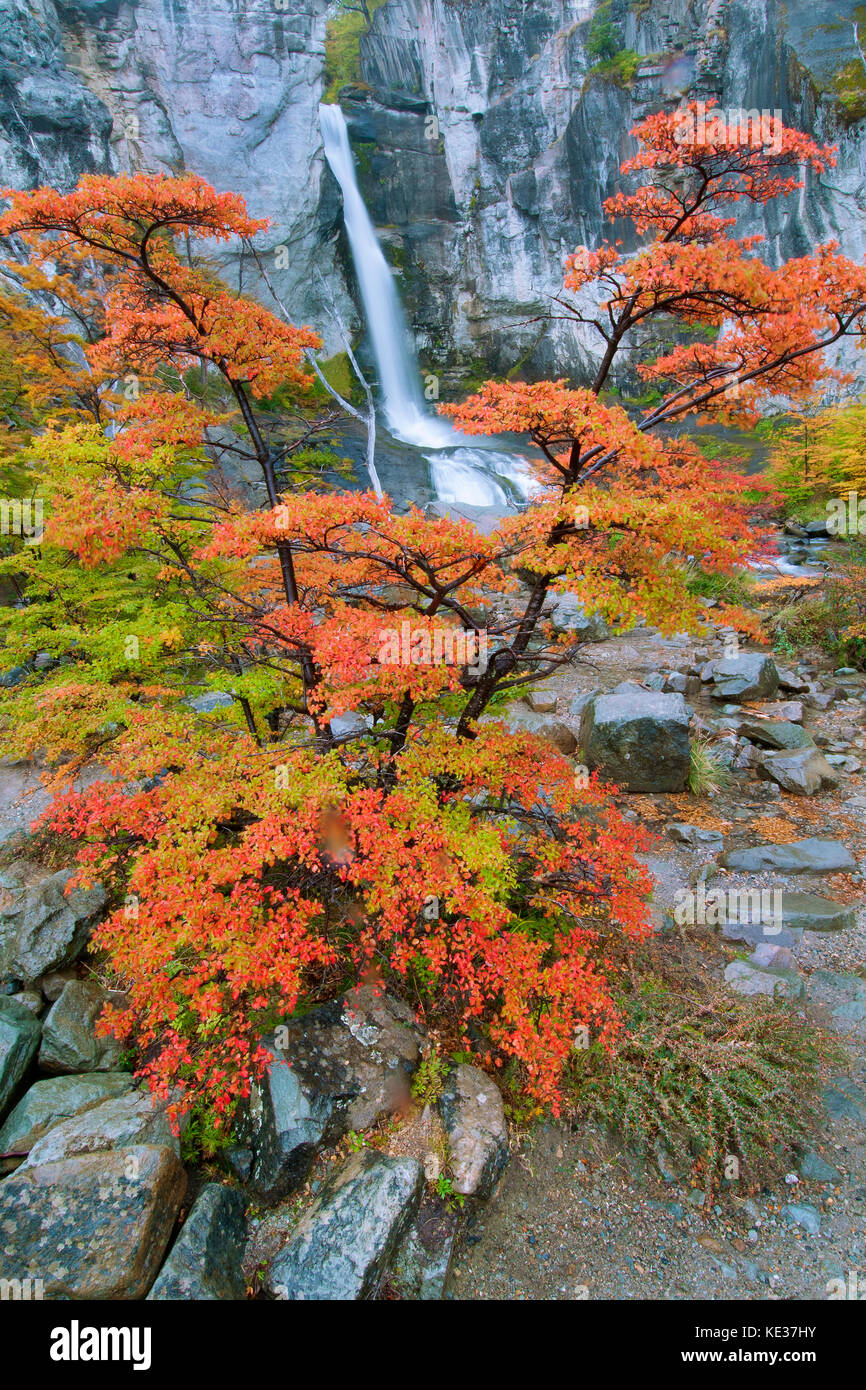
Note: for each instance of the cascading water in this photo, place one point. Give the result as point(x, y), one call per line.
point(460, 471)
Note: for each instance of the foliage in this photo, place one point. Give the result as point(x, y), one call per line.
point(429, 1080)
point(343, 36)
point(260, 858)
point(821, 456)
point(706, 1075)
point(831, 617)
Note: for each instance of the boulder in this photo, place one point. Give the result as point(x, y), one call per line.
point(570, 616)
point(420, 1267)
point(116, 1123)
point(42, 927)
point(473, 1117)
point(553, 731)
point(338, 1068)
point(19, 1039)
point(799, 857)
point(749, 676)
point(69, 1041)
point(205, 1260)
point(93, 1227)
point(801, 771)
point(809, 912)
point(695, 836)
point(787, 711)
point(776, 733)
point(639, 740)
point(49, 1102)
point(749, 980)
point(341, 1249)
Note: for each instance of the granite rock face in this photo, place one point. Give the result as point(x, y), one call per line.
point(205, 1260)
point(484, 139)
point(43, 927)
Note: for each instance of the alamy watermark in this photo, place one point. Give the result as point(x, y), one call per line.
point(447, 646)
point(22, 517)
point(847, 516)
point(718, 906)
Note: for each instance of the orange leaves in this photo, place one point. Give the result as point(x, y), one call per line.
point(100, 524)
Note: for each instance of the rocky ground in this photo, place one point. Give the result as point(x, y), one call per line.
point(356, 1173)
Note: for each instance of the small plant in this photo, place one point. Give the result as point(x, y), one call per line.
point(355, 1141)
point(429, 1080)
point(445, 1190)
point(709, 1077)
point(706, 772)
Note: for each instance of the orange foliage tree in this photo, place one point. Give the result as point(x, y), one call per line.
point(267, 853)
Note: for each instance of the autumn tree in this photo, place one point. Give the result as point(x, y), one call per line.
point(264, 854)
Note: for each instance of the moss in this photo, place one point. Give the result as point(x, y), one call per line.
point(849, 87)
point(621, 68)
point(343, 36)
point(338, 371)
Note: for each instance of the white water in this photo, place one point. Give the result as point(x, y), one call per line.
point(461, 472)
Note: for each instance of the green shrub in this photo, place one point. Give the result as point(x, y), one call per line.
point(707, 1076)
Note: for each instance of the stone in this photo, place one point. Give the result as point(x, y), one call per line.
point(638, 740)
point(553, 731)
point(767, 956)
point(210, 702)
point(813, 1168)
point(92, 1227)
point(810, 912)
point(337, 1068)
point(473, 1116)
point(801, 1214)
point(802, 771)
point(542, 701)
point(580, 702)
point(43, 928)
point(748, 980)
point(789, 680)
point(570, 616)
point(341, 1249)
point(776, 733)
point(749, 676)
point(346, 725)
point(119, 1122)
point(788, 711)
point(205, 1260)
point(30, 1000)
point(69, 1041)
point(55, 1099)
point(695, 836)
point(20, 1031)
point(420, 1267)
point(798, 857)
point(844, 1100)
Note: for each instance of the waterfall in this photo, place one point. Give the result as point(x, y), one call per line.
point(462, 472)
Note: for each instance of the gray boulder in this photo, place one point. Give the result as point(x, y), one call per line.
point(799, 857)
point(473, 1116)
point(205, 1260)
point(695, 836)
point(341, 1249)
point(801, 771)
point(553, 731)
point(419, 1270)
point(116, 1123)
point(69, 1041)
point(569, 615)
point(639, 740)
point(19, 1039)
point(749, 980)
point(42, 928)
point(93, 1227)
point(749, 676)
point(776, 733)
point(338, 1068)
point(809, 912)
point(49, 1102)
